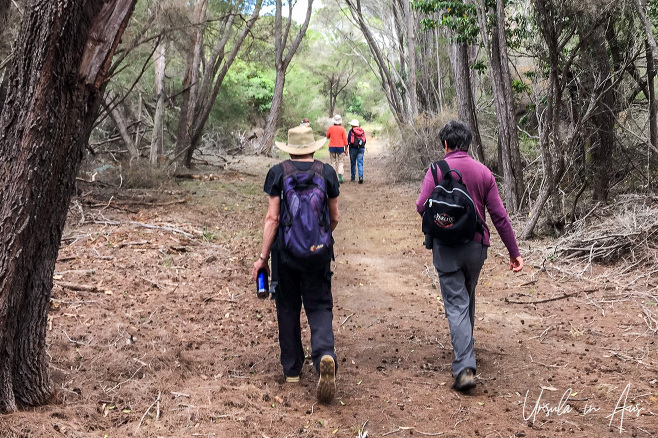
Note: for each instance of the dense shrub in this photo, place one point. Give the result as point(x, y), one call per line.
point(414, 147)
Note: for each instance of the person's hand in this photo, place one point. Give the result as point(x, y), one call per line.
point(258, 265)
point(516, 263)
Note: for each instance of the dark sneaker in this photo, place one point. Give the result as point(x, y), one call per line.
point(465, 380)
point(327, 382)
point(360, 180)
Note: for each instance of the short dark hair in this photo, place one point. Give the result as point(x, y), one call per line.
point(299, 157)
point(457, 134)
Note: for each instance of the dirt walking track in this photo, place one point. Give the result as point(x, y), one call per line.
point(171, 341)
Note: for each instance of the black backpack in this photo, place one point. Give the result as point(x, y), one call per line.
point(450, 214)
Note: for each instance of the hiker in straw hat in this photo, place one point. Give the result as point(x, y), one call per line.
point(337, 145)
point(303, 270)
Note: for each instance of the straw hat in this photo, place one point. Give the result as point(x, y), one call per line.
point(338, 120)
point(300, 141)
point(354, 122)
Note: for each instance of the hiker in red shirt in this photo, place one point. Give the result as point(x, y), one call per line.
point(356, 139)
point(337, 145)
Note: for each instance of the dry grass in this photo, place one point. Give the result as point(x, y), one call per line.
point(416, 147)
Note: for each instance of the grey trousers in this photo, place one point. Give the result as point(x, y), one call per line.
point(459, 269)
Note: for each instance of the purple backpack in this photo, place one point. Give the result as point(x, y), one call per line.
point(305, 231)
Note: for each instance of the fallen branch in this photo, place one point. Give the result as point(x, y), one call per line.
point(546, 300)
point(80, 287)
point(140, 242)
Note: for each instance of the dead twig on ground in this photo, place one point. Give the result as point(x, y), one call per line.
point(157, 400)
point(73, 341)
point(345, 320)
point(547, 300)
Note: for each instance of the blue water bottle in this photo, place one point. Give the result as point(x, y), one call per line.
point(262, 290)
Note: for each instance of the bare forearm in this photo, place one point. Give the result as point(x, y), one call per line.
point(269, 235)
point(334, 214)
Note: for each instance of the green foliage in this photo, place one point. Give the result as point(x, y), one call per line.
point(652, 11)
point(519, 86)
point(517, 30)
point(480, 66)
point(356, 105)
point(457, 16)
point(259, 90)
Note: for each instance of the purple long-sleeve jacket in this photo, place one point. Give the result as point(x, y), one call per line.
point(481, 185)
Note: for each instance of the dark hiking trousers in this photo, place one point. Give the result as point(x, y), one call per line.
point(313, 290)
point(459, 269)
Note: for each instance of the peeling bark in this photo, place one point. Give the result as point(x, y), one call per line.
point(62, 56)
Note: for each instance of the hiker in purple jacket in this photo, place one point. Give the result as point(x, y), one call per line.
point(459, 266)
point(299, 284)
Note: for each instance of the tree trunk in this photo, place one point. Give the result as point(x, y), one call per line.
point(411, 54)
point(119, 120)
point(641, 8)
point(4, 8)
point(216, 68)
point(653, 110)
point(281, 63)
point(332, 97)
point(62, 54)
point(277, 99)
point(466, 110)
point(497, 60)
point(157, 139)
point(384, 70)
point(438, 73)
point(604, 119)
point(190, 84)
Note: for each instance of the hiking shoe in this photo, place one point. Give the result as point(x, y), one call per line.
point(360, 180)
point(327, 382)
point(292, 379)
point(465, 380)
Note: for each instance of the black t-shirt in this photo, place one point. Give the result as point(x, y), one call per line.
point(274, 179)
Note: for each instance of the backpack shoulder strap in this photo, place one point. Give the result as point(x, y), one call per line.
point(445, 169)
point(433, 168)
point(288, 168)
point(318, 167)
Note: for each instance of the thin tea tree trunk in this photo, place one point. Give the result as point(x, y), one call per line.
point(508, 140)
point(411, 55)
point(201, 91)
point(466, 110)
point(281, 63)
point(438, 73)
point(653, 109)
point(63, 52)
point(190, 84)
point(157, 139)
point(119, 120)
point(218, 67)
point(641, 9)
point(604, 119)
point(384, 72)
